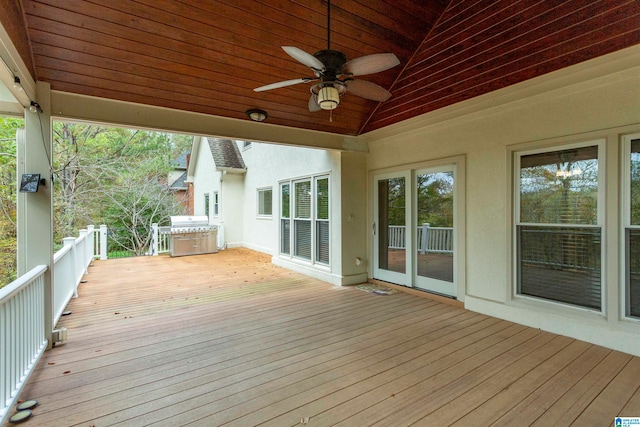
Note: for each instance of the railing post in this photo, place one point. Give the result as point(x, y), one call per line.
point(90, 245)
point(425, 238)
point(103, 241)
point(71, 241)
point(83, 236)
point(154, 239)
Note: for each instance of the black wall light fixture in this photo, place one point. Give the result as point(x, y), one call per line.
point(31, 182)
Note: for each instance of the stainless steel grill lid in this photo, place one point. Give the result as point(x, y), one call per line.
point(190, 224)
point(189, 221)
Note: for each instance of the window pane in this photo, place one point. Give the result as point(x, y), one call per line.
point(635, 182)
point(284, 201)
point(303, 199)
point(322, 198)
point(206, 204)
point(264, 202)
point(561, 264)
point(559, 187)
point(302, 239)
point(633, 279)
point(391, 225)
point(285, 230)
point(322, 242)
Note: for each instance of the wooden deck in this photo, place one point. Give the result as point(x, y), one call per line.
point(230, 339)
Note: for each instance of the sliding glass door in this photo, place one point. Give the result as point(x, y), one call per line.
point(391, 217)
point(414, 231)
point(435, 211)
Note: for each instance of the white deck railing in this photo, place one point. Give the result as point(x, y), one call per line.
point(69, 265)
point(23, 338)
point(160, 241)
point(22, 334)
point(429, 239)
point(163, 240)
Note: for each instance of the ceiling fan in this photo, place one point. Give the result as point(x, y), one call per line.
point(335, 74)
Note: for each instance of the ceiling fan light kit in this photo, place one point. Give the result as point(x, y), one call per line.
point(336, 74)
point(328, 97)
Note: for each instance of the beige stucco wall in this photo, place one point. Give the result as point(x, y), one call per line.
point(606, 106)
point(353, 225)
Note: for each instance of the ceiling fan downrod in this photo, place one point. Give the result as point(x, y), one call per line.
point(328, 24)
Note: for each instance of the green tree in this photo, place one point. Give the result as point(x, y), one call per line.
point(92, 164)
point(435, 199)
point(8, 198)
point(133, 204)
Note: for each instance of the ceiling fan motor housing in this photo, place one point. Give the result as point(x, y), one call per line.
point(333, 61)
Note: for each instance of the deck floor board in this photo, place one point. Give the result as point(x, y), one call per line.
point(230, 339)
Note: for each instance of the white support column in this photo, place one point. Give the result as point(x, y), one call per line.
point(35, 210)
point(103, 241)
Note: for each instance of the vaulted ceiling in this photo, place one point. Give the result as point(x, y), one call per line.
point(208, 56)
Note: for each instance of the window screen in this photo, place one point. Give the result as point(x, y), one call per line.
point(265, 202)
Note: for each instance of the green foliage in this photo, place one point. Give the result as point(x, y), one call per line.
point(394, 190)
point(8, 198)
point(546, 198)
point(635, 182)
point(113, 176)
point(435, 199)
point(285, 201)
point(134, 203)
point(101, 174)
point(323, 198)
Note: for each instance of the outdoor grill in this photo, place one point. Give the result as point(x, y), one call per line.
point(192, 235)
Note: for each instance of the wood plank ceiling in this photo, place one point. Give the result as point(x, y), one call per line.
point(207, 56)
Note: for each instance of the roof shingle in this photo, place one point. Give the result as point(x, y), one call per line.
point(226, 154)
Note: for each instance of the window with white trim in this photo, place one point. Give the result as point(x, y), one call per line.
point(632, 226)
point(558, 224)
point(305, 219)
point(265, 202)
point(206, 204)
point(216, 204)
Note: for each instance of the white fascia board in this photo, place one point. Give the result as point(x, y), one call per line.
point(193, 159)
point(75, 107)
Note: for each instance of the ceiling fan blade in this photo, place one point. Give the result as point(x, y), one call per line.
point(282, 84)
point(304, 57)
point(367, 90)
point(371, 64)
point(313, 104)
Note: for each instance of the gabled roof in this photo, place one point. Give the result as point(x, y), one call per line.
point(180, 183)
point(226, 155)
point(180, 162)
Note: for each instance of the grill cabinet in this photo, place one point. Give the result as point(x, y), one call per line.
point(192, 235)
